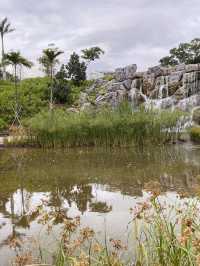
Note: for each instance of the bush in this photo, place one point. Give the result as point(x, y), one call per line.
point(33, 97)
point(3, 124)
point(195, 134)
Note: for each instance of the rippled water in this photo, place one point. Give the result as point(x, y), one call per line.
point(99, 185)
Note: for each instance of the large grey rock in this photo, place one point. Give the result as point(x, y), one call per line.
point(156, 70)
point(120, 74)
point(136, 97)
point(127, 83)
point(125, 73)
point(180, 93)
point(130, 71)
point(175, 77)
point(180, 67)
point(191, 68)
point(116, 86)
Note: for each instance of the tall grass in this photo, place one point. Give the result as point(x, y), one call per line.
point(108, 127)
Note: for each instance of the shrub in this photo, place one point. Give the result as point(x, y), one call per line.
point(3, 124)
point(195, 134)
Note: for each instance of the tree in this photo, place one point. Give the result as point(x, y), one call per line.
point(5, 28)
point(49, 61)
point(187, 53)
point(15, 59)
point(91, 54)
point(76, 70)
point(61, 86)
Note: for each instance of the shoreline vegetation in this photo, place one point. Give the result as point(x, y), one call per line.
point(107, 127)
point(164, 231)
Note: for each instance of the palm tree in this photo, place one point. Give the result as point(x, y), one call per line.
point(15, 59)
point(5, 28)
point(49, 60)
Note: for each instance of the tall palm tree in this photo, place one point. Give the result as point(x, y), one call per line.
point(49, 60)
point(15, 59)
point(5, 28)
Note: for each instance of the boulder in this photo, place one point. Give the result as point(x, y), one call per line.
point(120, 74)
point(157, 71)
point(137, 83)
point(192, 67)
point(130, 71)
point(180, 94)
point(175, 77)
point(125, 73)
point(136, 97)
point(127, 84)
point(138, 75)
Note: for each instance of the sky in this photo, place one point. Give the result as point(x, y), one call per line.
point(130, 31)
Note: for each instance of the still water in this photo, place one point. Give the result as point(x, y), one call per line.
point(98, 185)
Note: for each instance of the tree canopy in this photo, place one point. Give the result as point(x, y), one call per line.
point(187, 53)
point(91, 54)
point(76, 70)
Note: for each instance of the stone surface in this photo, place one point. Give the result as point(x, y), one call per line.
point(159, 87)
point(120, 74)
point(130, 71)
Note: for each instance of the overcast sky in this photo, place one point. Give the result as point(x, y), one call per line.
point(130, 31)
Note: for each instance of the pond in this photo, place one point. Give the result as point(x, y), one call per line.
point(99, 185)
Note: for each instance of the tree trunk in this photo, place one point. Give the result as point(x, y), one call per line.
point(16, 90)
point(2, 57)
point(51, 89)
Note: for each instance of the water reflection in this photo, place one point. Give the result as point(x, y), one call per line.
point(91, 183)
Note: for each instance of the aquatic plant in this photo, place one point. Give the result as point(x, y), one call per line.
point(108, 127)
point(166, 232)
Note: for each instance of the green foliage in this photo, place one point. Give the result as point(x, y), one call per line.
point(108, 77)
point(49, 60)
point(119, 127)
point(92, 53)
point(74, 92)
point(15, 58)
point(76, 70)
point(195, 134)
point(33, 97)
point(188, 53)
point(3, 124)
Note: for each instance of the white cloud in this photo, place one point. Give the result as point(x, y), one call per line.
point(130, 31)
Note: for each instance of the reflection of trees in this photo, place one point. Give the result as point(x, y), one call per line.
point(100, 207)
point(80, 194)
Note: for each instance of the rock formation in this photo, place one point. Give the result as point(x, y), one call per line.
point(158, 87)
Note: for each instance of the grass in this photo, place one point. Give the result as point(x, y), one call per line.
point(108, 127)
point(195, 134)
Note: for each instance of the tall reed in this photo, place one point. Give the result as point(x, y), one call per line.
point(108, 127)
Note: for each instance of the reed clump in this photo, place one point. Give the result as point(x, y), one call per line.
point(108, 127)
